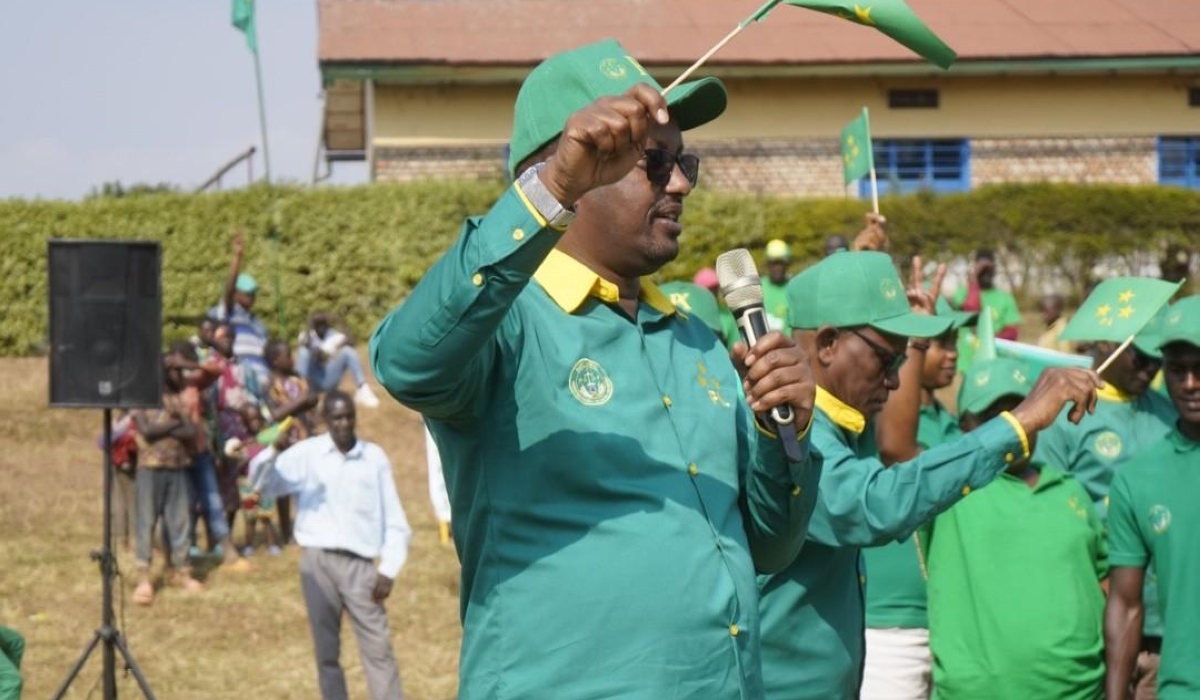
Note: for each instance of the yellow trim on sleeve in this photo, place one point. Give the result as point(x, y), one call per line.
point(529, 205)
point(763, 431)
point(1016, 425)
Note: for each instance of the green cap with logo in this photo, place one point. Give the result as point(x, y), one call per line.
point(569, 81)
point(246, 284)
point(851, 289)
point(988, 381)
point(694, 300)
point(958, 319)
point(1180, 323)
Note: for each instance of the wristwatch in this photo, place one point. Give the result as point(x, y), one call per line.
point(556, 215)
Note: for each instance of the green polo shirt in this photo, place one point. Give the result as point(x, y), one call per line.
point(1015, 604)
point(1154, 515)
point(775, 303)
point(812, 612)
point(895, 592)
point(1121, 428)
point(612, 499)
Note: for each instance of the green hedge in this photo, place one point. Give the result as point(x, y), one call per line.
point(357, 251)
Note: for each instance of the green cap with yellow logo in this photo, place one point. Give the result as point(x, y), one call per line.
point(1179, 324)
point(569, 81)
point(694, 300)
point(988, 381)
point(958, 319)
point(857, 289)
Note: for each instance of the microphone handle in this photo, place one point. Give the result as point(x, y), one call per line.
point(752, 322)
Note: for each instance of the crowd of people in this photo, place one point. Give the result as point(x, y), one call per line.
point(633, 523)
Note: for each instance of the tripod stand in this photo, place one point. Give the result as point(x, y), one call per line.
point(108, 634)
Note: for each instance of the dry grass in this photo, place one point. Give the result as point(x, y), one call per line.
point(248, 633)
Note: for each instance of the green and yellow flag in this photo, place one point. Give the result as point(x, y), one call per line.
point(243, 19)
point(857, 159)
point(892, 17)
point(1118, 308)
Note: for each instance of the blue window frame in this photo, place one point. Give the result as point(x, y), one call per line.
point(1179, 160)
point(909, 165)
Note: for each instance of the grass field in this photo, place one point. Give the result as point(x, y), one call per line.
point(247, 635)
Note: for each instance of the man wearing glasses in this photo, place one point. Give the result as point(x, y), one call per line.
point(854, 319)
point(612, 496)
point(1129, 418)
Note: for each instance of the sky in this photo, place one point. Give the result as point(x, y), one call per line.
point(145, 91)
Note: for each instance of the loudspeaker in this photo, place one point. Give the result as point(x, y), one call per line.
point(105, 324)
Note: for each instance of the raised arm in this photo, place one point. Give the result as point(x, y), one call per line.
point(235, 268)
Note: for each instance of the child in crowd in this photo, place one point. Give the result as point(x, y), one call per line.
point(289, 395)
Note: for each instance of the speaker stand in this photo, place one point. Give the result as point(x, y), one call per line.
point(108, 634)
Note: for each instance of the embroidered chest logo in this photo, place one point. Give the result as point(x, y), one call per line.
point(1108, 444)
point(1077, 507)
point(1160, 519)
point(710, 384)
point(589, 383)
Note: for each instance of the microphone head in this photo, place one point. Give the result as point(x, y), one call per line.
point(738, 277)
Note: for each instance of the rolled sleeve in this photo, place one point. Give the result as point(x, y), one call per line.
point(1126, 546)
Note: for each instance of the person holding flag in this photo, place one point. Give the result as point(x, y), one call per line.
point(1152, 517)
point(858, 324)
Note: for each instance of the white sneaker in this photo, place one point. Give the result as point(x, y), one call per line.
point(365, 397)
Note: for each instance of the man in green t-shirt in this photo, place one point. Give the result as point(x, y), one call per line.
point(775, 301)
point(613, 494)
point(979, 294)
point(1016, 572)
point(853, 318)
point(898, 663)
point(1154, 517)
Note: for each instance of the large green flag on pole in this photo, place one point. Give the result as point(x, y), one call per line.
point(857, 159)
point(243, 19)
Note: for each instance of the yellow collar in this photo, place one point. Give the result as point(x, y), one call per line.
point(1111, 393)
point(569, 282)
point(842, 415)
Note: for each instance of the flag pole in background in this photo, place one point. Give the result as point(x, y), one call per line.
point(871, 160)
point(243, 19)
point(892, 17)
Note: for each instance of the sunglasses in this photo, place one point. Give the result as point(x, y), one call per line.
point(660, 164)
point(889, 361)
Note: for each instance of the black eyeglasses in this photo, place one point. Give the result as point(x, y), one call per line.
point(660, 164)
point(889, 361)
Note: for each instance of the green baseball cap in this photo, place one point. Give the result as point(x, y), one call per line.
point(958, 319)
point(694, 300)
point(569, 81)
point(988, 381)
point(246, 284)
point(1180, 324)
point(857, 289)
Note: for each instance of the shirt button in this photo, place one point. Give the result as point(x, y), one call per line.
point(518, 234)
point(733, 630)
point(796, 490)
point(693, 469)
point(666, 401)
point(966, 490)
point(1008, 457)
point(477, 279)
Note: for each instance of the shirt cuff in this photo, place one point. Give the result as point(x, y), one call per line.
point(1016, 425)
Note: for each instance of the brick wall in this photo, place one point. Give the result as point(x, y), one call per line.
point(812, 167)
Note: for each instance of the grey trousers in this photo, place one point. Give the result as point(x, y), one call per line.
point(334, 582)
point(166, 493)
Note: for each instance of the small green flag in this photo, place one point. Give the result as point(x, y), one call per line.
point(985, 337)
point(857, 159)
point(1037, 358)
point(1118, 308)
point(892, 17)
point(243, 19)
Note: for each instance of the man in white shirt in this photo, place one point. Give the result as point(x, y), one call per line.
point(348, 515)
point(324, 355)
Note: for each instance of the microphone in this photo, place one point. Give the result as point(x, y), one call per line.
point(742, 289)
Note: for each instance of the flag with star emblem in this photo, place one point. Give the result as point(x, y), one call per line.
point(243, 19)
point(857, 159)
point(892, 17)
point(1119, 308)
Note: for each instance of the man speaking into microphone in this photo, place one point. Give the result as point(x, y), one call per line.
point(613, 496)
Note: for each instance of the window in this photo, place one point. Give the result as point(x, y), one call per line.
point(913, 99)
point(910, 165)
point(1179, 161)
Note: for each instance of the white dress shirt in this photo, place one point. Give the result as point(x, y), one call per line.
point(344, 501)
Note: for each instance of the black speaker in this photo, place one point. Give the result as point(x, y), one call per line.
point(105, 324)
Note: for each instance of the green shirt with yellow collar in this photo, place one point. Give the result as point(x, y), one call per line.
point(612, 499)
point(812, 612)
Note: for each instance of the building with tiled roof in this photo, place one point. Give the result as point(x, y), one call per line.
point(1072, 90)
